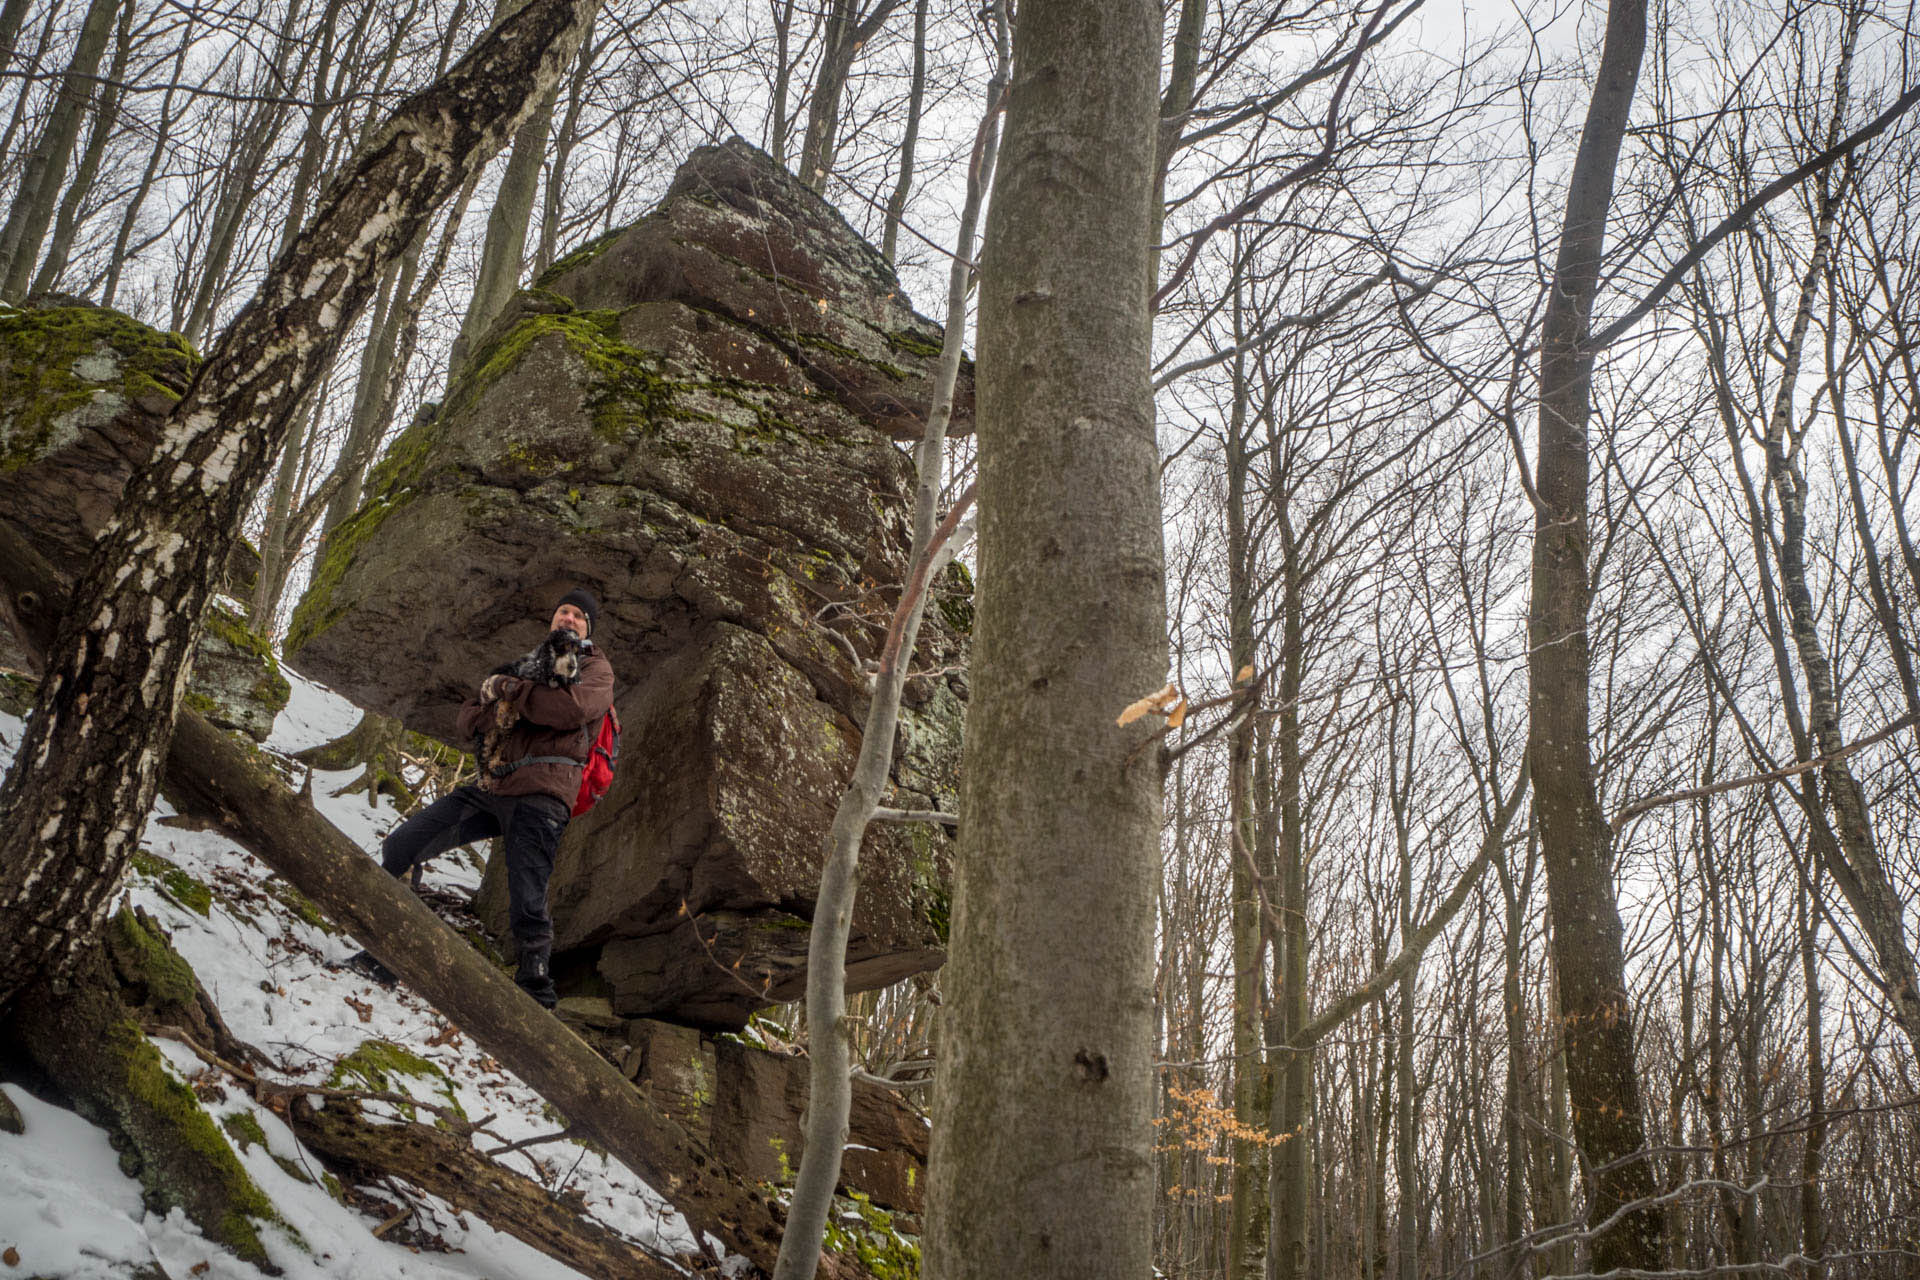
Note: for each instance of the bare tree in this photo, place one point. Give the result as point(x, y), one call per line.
point(1042, 1110)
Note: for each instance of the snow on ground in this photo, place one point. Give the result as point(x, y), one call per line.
point(69, 1211)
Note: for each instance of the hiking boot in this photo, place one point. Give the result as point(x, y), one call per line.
point(363, 963)
point(532, 977)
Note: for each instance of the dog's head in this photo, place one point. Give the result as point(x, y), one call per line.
point(563, 647)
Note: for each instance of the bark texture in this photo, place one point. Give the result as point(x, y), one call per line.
point(86, 769)
point(1596, 1019)
point(1042, 1140)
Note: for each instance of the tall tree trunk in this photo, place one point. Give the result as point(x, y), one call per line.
point(357, 450)
point(1042, 1112)
point(910, 135)
point(1813, 1225)
point(781, 123)
point(848, 32)
point(34, 202)
point(276, 551)
point(66, 224)
point(1244, 1257)
point(1406, 1117)
point(1290, 1187)
point(239, 185)
point(13, 14)
point(505, 249)
point(1596, 1017)
point(1517, 1263)
point(563, 145)
point(313, 143)
point(84, 776)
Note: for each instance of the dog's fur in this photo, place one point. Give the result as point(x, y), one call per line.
point(555, 662)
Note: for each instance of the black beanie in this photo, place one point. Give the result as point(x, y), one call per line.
point(583, 599)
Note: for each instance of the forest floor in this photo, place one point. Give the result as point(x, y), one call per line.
point(267, 960)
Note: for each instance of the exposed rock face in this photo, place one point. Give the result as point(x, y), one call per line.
point(747, 1103)
point(691, 417)
point(83, 393)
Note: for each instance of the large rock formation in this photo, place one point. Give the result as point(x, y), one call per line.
point(83, 394)
point(692, 417)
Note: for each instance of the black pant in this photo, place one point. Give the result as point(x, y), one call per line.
point(532, 826)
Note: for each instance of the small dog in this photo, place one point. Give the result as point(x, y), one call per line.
point(554, 662)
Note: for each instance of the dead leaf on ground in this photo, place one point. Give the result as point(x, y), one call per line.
point(11, 1257)
point(362, 1008)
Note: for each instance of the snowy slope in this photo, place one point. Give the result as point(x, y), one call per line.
point(66, 1208)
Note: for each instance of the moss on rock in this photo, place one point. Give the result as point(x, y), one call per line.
point(61, 367)
point(90, 1045)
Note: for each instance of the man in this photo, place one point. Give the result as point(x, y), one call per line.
point(527, 795)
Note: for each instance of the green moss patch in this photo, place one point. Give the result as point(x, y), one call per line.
point(170, 1105)
point(192, 894)
point(244, 1131)
point(860, 1229)
point(381, 1066)
point(58, 363)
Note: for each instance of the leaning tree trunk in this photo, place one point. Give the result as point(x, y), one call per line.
point(84, 775)
point(33, 203)
point(1043, 1143)
point(1596, 1018)
point(213, 777)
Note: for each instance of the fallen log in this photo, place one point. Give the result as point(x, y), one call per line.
point(209, 775)
point(449, 1167)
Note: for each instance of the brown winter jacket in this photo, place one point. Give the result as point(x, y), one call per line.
point(553, 722)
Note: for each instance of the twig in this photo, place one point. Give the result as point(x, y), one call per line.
point(917, 585)
point(560, 1135)
point(1639, 807)
point(917, 815)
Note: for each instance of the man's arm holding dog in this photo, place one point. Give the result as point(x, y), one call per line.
point(566, 708)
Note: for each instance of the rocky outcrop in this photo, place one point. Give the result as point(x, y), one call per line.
point(83, 394)
point(693, 418)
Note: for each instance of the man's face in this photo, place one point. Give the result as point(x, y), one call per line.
point(572, 618)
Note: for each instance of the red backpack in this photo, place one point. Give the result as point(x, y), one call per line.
point(597, 776)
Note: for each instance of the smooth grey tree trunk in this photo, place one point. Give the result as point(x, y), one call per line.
point(83, 780)
point(35, 201)
point(1042, 1161)
point(239, 185)
point(1576, 843)
point(848, 32)
point(1252, 1088)
point(162, 139)
point(563, 145)
point(13, 14)
point(313, 142)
